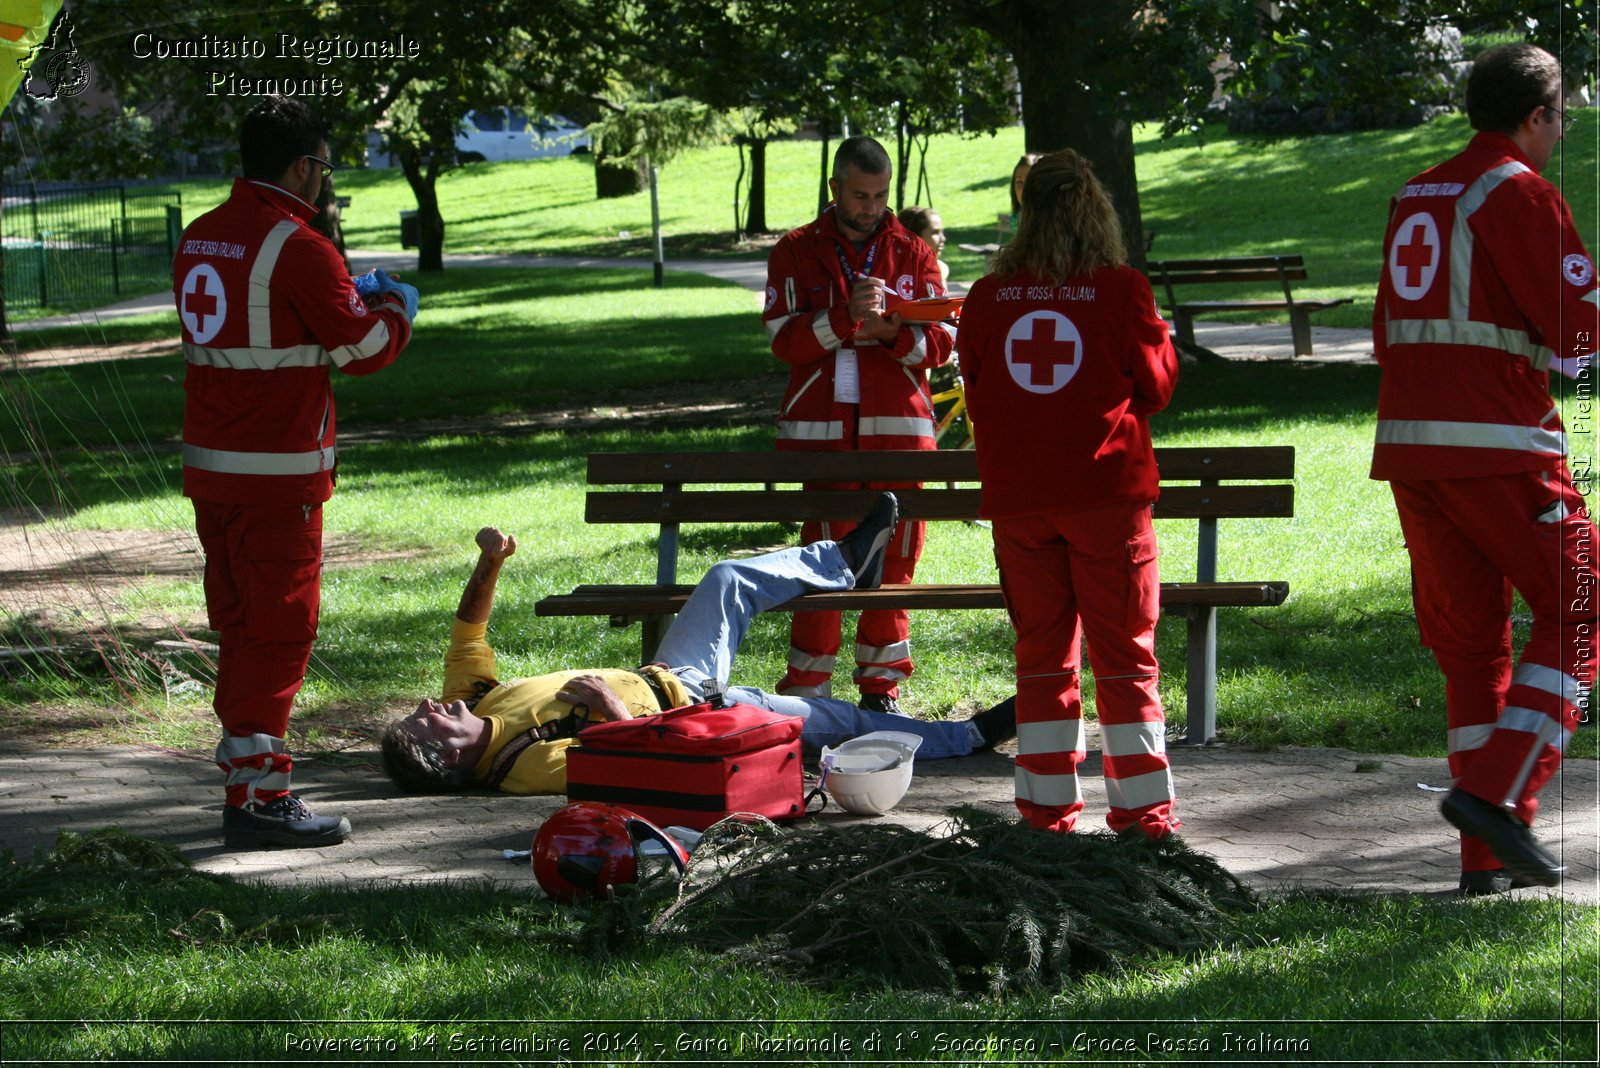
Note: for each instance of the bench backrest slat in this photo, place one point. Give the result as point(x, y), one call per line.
point(944, 465)
point(781, 506)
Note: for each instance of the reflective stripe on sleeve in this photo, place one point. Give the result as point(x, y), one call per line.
point(809, 430)
point(376, 341)
point(229, 462)
point(919, 346)
point(1464, 332)
point(777, 323)
point(823, 329)
point(1470, 435)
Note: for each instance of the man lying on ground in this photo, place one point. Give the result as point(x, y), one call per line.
point(513, 736)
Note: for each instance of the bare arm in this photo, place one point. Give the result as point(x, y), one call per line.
point(478, 597)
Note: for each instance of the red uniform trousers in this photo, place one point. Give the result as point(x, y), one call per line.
point(1093, 569)
point(883, 635)
point(1472, 540)
point(263, 590)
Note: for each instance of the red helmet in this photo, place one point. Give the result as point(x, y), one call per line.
point(586, 848)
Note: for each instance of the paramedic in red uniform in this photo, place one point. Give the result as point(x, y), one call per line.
point(266, 307)
point(1066, 357)
point(857, 380)
point(1486, 289)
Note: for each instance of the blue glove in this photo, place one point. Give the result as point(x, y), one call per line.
point(377, 282)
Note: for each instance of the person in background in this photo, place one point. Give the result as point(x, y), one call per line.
point(857, 381)
point(1066, 357)
point(926, 224)
point(1486, 289)
point(1019, 177)
point(266, 307)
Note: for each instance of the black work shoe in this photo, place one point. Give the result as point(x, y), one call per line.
point(285, 822)
point(865, 547)
point(880, 702)
point(1507, 838)
point(1494, 881)
point(997, 724)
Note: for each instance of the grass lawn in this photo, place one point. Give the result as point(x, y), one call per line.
point(513, 377)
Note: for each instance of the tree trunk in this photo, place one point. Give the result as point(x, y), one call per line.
point(1066, 56)
point(823, 194)
point(619, 178)
point(756, 219)
point(430, 223)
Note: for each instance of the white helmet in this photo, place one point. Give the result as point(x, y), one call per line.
point(870, 774)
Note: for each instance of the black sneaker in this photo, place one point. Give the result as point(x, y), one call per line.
point(880, 702)
point(1506, 836)
point(865, 547)
point(1494, 881)
point(997, 724)
point(285, 822)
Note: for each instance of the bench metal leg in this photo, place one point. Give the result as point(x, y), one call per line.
point(1202, 636)
point(1183, 327)
point(1300, 328)
point(652, 630)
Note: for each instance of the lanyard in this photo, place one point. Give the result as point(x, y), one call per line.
point(849, 272)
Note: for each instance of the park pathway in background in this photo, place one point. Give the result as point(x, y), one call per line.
point(1234, 341)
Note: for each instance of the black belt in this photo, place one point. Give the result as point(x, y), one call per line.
point(663, 701)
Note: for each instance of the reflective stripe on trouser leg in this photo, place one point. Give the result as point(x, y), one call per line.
point(807, 675)
point(1463, 606)
point(1138, 777)
point(1049, 795)
point(257, 768)
point(883, 635)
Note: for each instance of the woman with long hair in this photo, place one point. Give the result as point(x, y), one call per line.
point(1066, 357)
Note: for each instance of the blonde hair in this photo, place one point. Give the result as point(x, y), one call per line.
point(1068, 225)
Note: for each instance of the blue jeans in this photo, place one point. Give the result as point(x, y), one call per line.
point(701, 643)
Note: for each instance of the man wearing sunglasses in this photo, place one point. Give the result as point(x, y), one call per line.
point(266, 307)
point(1486, 289)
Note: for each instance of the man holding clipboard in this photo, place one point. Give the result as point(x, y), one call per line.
point(857, 380)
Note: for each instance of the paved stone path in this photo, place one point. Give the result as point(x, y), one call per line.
point(1320, 819)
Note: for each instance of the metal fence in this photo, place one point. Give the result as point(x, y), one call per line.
point(76, 246)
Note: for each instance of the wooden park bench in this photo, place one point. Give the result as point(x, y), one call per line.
point(1222, 492)
point(1239, 269)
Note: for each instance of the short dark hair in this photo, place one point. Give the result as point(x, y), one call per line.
point(1509, 81)
point(277, 132)
point(863, 153)
point(417, 767)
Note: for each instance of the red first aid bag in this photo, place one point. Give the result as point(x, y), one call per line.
point(692, 766)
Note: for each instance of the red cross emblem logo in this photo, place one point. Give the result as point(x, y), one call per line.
point(1414, 256)
point(202, 304)
point(1043, 351)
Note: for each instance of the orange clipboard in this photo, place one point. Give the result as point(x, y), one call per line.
point(927, 310)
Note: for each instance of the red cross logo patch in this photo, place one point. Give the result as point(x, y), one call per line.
point(202, 305)
point(1043, 351)
point(1414, 256)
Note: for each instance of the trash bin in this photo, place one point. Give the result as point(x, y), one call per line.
point(410, 230)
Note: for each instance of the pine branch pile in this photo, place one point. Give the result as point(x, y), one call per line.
point(982, 903)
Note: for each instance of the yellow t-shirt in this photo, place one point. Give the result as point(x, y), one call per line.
point(517, 760)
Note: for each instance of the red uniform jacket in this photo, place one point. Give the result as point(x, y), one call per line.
point(1061, 381)
point(807, 321)
point(1484, 280)
point(266, 306)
